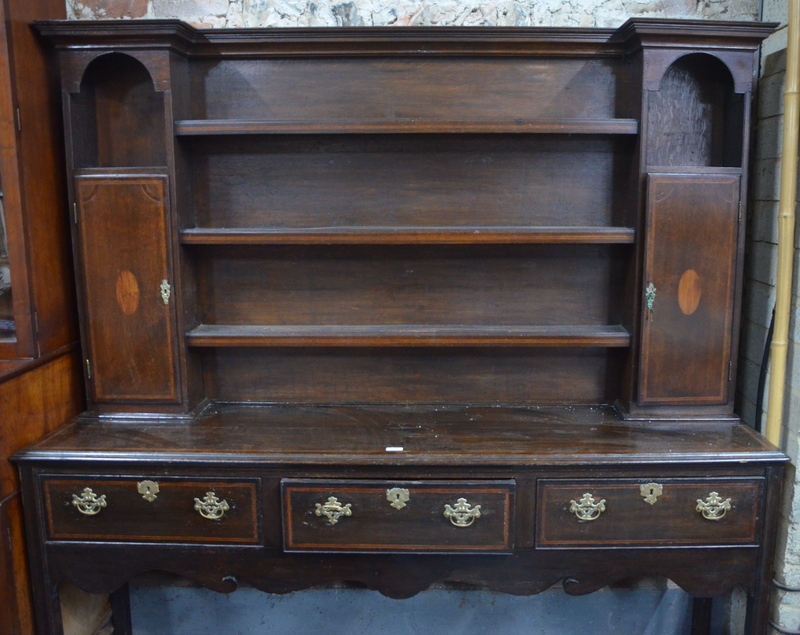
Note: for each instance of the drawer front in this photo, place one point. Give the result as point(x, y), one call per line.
point(404, 516)
point(638, 513)
point(197, 510)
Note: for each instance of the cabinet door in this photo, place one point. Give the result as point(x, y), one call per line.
point(689, 280)
point(128, 308)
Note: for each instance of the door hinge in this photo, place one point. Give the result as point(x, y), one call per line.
point(88, 369)
point(730, 370)
point(740, 211)
point(75, 213)
point(36, 321)
point(18, 118)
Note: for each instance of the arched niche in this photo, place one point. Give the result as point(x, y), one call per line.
point(118, 116)
point(695, 118)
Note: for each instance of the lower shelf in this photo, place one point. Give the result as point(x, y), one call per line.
point(408, 335)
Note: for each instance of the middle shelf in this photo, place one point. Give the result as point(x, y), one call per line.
point(407, 235)
point(216, 335)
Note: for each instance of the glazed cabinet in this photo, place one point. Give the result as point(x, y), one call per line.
point(404, 306)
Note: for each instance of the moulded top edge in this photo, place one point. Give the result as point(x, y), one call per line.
point(392, 40)
point(656, 31)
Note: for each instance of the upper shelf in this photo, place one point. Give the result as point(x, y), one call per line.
point(215, 335)
point(407, 235)
point(205, 127)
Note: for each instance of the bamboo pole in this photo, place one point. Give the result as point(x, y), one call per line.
point(786, 222)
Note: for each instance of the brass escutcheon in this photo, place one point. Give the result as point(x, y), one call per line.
point(166, 291)
point(211, 507)
point(650, 296)
point(650, 492)
point(588, 508)
point(463, 514)
point(333, 510)
point(713, 507)
point(88, 502)
point(148, 490)
point(398, 497)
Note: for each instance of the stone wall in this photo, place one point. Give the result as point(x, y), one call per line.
point(251, 13)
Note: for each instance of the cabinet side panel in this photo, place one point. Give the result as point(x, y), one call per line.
point(690, 256)
point(123, 238)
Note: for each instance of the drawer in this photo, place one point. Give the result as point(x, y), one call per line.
point(175, 510)
point(638, 513)
point(398, 516)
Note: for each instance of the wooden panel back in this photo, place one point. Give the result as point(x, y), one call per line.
point(691, 251)
point(384, 88)
point(118, 117)
point(124, 252)
point(504, 285)
point(396, 180)
point(410, 375)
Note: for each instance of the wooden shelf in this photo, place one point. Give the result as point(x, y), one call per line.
point(206, 127)
point(209, 335)
point(406, 235)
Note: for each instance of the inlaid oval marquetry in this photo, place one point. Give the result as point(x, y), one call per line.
point(689, 292)
point(127, 292)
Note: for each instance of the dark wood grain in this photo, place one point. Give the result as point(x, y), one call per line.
point(691, 116)
point(171, 517)
point(375, 526)
point(689, 239)
point(33, 184)
point(123, 242)
point(433, 434)
point(406, 235)
point(441, 375)
point(407, 335)
point(629, 521)
point(308, 181)
point(34, 400)
point(208, 127)
point(492, 285)
point(406, 256)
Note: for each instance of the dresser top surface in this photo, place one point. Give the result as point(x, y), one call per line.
point(403, 435)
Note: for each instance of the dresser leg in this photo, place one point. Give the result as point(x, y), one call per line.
point(121, 611)
point(701, 616)
point(46, 607)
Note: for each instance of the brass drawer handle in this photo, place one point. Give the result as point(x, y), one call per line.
point(713, 507)
point(88, 502)
point(333, 510)
point(463, 514)
point(588, 508)
point(211, 507)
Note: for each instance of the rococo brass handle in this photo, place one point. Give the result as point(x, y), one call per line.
point(463, 514)
point(587, 508)
point(713, 507)
point(333, 510)
point(211, 507)
point(88, 502)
